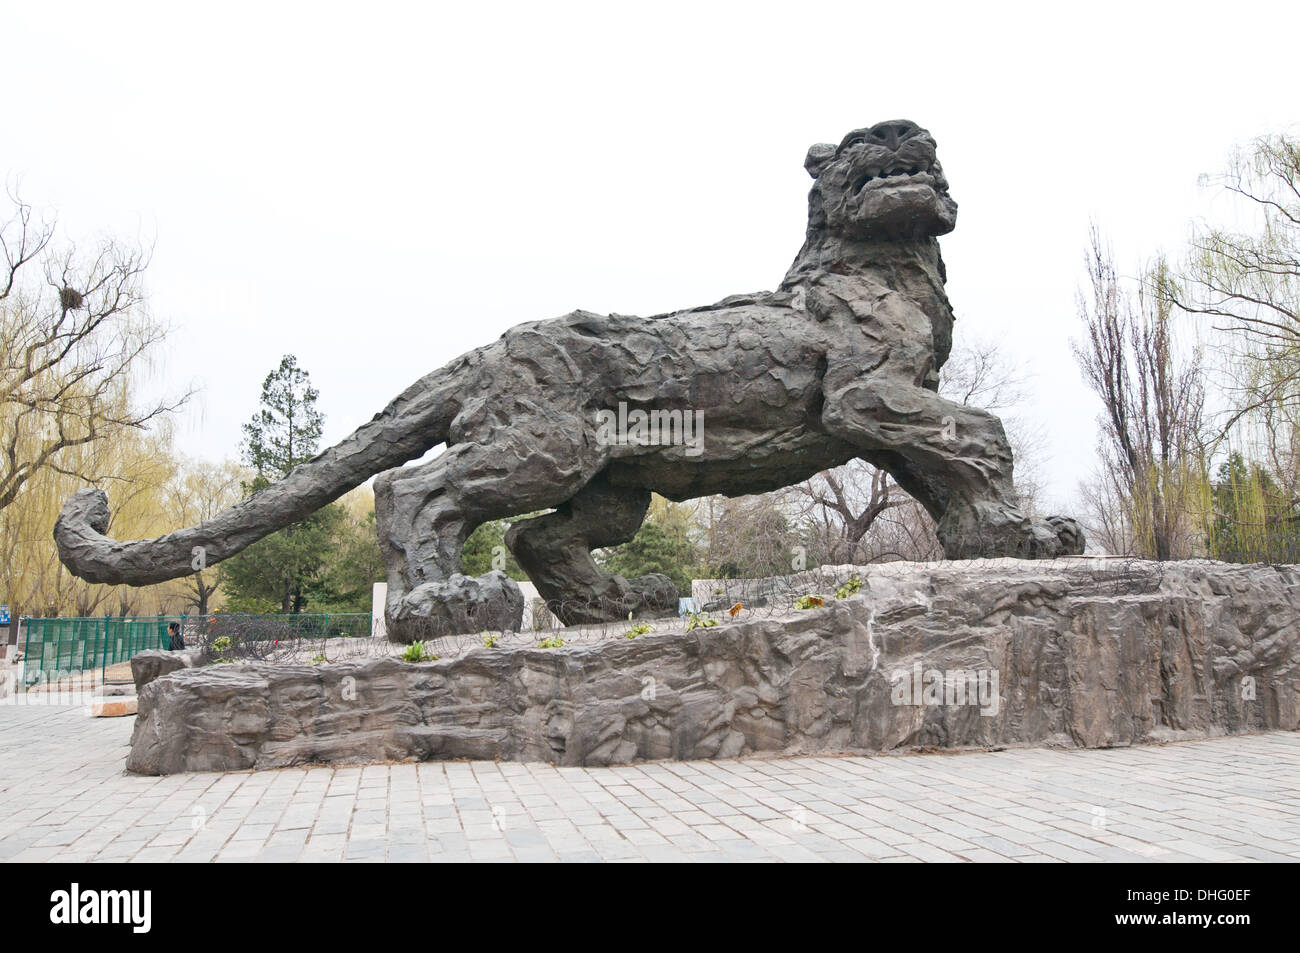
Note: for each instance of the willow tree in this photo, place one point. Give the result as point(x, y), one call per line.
point(1244, 281)
point(1247, 280)
point(76, 341)
point(197, 493)
point(138, 466)
point(74, 332)
point(1255, 520)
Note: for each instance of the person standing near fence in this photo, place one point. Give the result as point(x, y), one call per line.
point(177, 640)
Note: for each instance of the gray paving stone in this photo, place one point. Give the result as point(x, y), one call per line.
point(1230, 799)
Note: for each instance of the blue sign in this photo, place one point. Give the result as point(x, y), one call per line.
point(4, 615)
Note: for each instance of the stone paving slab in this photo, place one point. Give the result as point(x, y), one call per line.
point(65, 797)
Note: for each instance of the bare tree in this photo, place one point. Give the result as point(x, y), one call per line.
point(979, 373)
point(73, 331)
point(747, 536)
point(1153, 445)
point(843, 506)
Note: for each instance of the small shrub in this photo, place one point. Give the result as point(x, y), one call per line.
point(221, 650)
point(641, 628)
point(700, 621)
point(810, 602)
point(554, 642)
point(490, 641)
point(850, 588)
point(319, 659)
point(418, 652)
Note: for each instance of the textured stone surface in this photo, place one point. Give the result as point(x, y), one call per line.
point(841, 361)
point(153, 663)
point(460, 604)
point(1086, 656)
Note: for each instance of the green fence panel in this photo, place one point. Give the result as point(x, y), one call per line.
point(56, 647)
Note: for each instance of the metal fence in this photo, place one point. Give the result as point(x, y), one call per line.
point(59, 647)
point(56, 648)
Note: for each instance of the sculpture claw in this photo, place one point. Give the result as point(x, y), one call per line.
point(1009, 534)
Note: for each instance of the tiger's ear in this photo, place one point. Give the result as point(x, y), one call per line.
point(817, 158)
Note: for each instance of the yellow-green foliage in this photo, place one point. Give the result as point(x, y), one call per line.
point(700, 621)
point(418, 652)
point(850, 588)
point(641, 628)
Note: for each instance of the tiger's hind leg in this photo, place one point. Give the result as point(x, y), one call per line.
point(426, 512)
point(555, 551)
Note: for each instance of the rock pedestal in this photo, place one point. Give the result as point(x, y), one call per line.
point(154, 663)
point(951, 655)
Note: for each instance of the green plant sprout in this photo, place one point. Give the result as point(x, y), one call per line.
point(418, 652)
point(700, 621)
point(850, 588)
point(641, 628)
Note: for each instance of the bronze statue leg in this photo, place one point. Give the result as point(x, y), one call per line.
point(954, 459)
point(555, 551)
point(426, 512)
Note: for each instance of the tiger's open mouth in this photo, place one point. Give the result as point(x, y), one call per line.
point(887, 178)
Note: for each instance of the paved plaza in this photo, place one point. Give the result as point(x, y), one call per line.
point(65, 798)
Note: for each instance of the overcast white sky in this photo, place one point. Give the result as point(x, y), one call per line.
point(379, 187)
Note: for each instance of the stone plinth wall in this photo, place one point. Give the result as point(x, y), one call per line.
point(946, 655)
